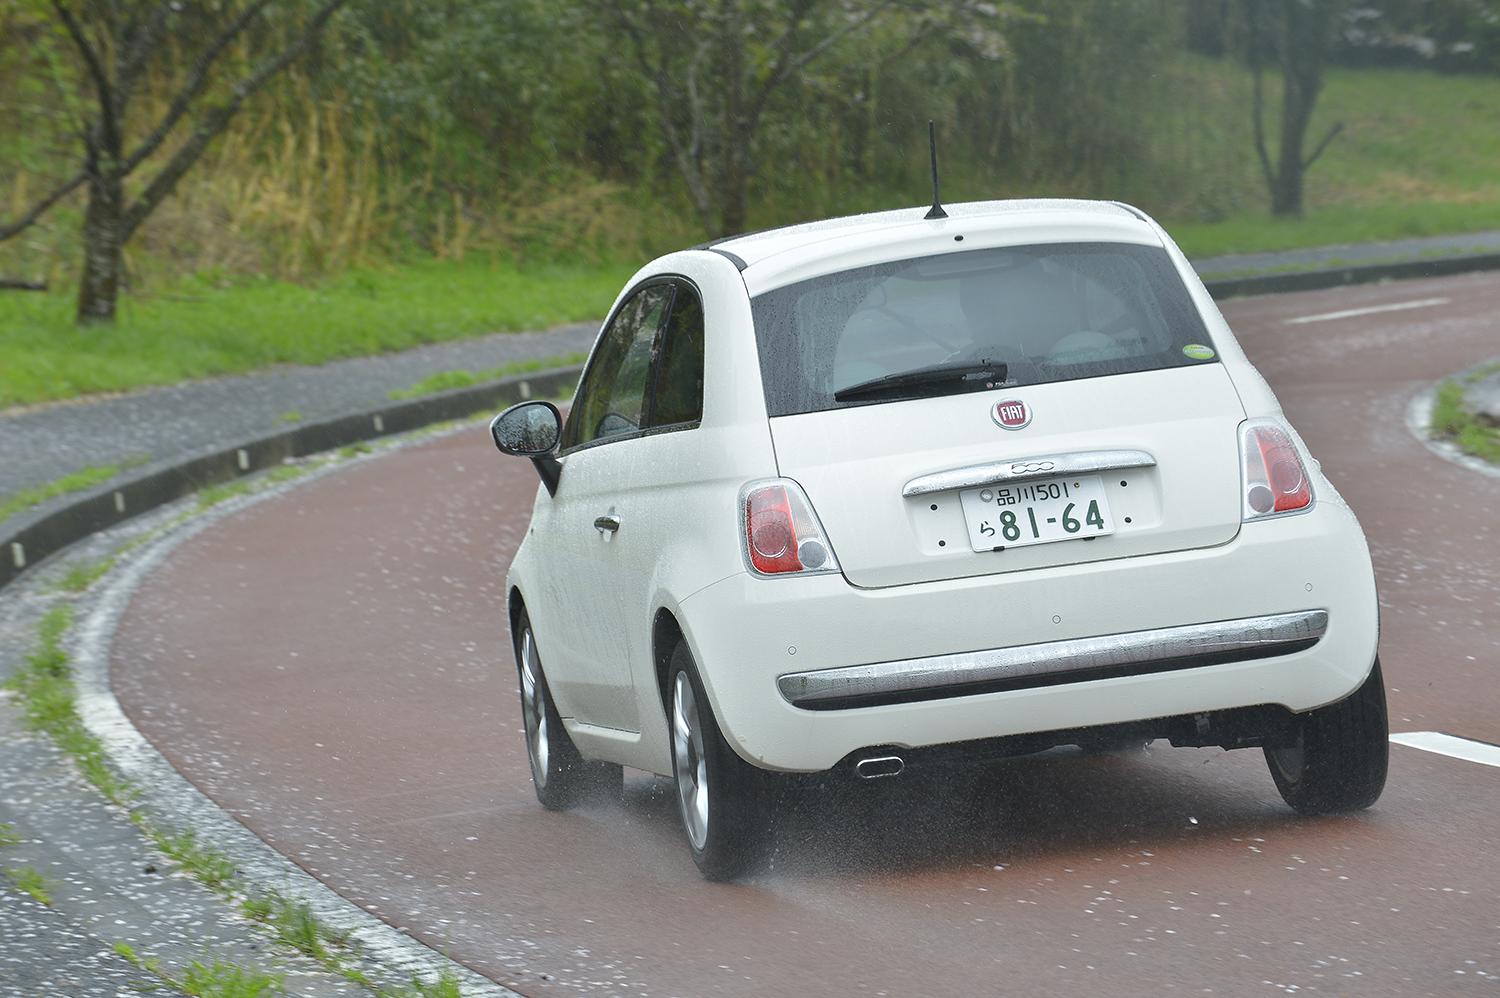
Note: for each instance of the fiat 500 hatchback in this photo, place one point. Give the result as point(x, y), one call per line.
point(881, 491)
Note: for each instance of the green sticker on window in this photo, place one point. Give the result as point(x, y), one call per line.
point(1198, 351)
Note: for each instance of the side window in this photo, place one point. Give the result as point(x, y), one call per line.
point(612, 399)
point(679, 382)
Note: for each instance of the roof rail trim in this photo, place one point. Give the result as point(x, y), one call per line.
point(734, 258)
point(1132, 209)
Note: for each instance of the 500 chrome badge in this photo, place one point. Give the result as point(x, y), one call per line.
point(1011, 414)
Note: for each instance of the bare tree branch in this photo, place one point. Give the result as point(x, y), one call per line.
point(197, 79)
point(37, 210)
point(142, 39)
point(218, 118)
point(781, 73)
point(1257, 97)
point(685, 154)
point(95, 67)
point(1332, 134)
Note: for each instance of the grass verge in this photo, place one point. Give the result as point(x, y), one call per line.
point(78, 481)
point(1453, 420)
point(444, 381)
point(204, 329)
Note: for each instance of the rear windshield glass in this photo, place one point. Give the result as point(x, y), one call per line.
point(1053, 312)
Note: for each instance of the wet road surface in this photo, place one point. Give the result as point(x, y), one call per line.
point(332, 667)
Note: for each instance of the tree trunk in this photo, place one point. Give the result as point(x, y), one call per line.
point(1286, 193)
point(733, 135)
point(103, 240)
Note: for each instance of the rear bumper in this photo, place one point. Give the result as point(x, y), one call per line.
point(803, 671)
point(1166, 649)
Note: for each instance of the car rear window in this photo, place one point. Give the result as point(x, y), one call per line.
point(1050, 312)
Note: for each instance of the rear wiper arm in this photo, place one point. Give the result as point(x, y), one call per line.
point(972, 375)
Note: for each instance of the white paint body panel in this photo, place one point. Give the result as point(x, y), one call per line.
point(593, 602)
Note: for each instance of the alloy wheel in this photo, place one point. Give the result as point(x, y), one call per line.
point(534, 709)
point(688, 762)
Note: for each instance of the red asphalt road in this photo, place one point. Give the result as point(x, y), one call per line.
point(331, 666)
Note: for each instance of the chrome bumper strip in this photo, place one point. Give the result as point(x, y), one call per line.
point(1028, 469)
point(1054, 662)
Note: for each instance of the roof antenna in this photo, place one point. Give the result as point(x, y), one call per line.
point(936, 211)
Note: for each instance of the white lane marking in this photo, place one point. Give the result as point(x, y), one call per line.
point(1457, 748)
point(1350, 313)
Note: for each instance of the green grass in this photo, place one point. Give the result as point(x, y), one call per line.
point(215, 494)
point(228, 980)
point(29, 881)
point(80, 577)
point(444, 381)
point(1453, 420)
point(212, 868)
point(79, 481)
point(1331, 226)
point(290, 416)
point(1416, 158)
point(216, 980)
point(293, 924)
point(8, 836)
point(204, 329)
point(45, 684)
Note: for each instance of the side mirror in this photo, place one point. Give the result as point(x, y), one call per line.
point(527, 429)
point(532, 429)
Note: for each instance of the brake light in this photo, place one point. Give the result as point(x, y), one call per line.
point(781, 533)
point(1274, 478)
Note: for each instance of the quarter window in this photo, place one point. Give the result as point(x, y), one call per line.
point(679, 385)
point(613, 398)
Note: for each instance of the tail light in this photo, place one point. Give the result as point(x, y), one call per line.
point(780, 532)
point(1274, 478)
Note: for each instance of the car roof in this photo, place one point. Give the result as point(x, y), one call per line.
point(776, 257)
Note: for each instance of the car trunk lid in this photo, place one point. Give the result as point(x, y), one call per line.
point(1171, 484)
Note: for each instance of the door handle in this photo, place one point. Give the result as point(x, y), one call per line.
point(609, 522)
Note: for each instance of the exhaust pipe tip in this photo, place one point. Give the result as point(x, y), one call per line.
point(878, 766)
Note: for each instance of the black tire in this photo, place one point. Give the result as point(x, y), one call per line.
point(560, 774)
point(1336, 761)
point(724, 802)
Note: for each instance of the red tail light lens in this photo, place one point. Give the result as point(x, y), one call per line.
point(781, 533)
point(769, 531)
point(1274, 478)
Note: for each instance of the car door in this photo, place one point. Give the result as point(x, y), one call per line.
point(589, 673)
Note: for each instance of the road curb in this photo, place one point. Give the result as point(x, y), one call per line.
point(47, 533)
point(1314, 280)
point(1419, 422)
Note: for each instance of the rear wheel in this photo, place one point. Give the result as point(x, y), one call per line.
point(561, 775)
point(722, 800)
point(1336, 761)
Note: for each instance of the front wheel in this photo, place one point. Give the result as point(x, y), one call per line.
point(721, 799)
point(561, 775)
point(1336, 760)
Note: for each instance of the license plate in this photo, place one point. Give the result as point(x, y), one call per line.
point(1050, 509)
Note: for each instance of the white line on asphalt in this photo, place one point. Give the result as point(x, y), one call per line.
point(1457, 748)
point(1350, 313)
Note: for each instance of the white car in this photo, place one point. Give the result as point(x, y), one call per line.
point(884, 491)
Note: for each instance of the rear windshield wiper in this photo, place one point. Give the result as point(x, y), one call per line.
point(968, 376)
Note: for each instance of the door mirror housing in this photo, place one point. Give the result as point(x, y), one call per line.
point(534, 430)
point(528, 429)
